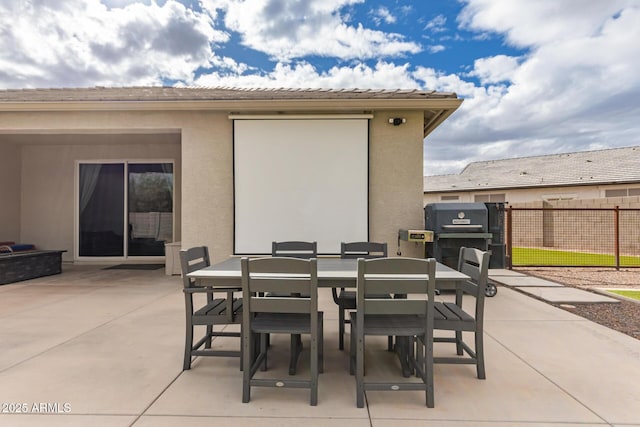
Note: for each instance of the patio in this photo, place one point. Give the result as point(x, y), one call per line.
point(104, 347)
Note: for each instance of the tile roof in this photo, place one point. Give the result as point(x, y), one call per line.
point(615, 165)
point(207, 94)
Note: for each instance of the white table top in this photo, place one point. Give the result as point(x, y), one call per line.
point(330, 270)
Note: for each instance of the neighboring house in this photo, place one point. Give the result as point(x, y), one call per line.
point(611, 173)
point(112, 174)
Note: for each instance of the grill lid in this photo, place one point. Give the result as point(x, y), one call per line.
point(451, 217)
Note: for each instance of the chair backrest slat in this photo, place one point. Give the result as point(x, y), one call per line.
point(410, 276)
point(294, 249)
point(278, 275)
point(193, 259)
point(381, 284)
point(354, 250)
point(283, 284)
point(475, 264)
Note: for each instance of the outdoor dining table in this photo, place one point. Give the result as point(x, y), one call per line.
point(332, 272)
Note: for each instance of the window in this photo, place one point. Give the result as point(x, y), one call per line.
point(622, 192)
point(498, 197)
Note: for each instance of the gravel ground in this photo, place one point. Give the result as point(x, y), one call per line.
point(623, 317)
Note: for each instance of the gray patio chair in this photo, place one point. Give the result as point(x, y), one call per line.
point(451, 316)
point(285, 314)
point(410, 320)
point(346, 299)
point(220, 308)
point(293, 249)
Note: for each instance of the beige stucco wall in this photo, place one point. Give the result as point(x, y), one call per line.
point(9, 192)
point(395, 180)
point(204, 171)
point(207, 183)
point(526, 195)
point(48, 181)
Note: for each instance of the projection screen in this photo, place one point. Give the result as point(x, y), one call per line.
point(300, 179)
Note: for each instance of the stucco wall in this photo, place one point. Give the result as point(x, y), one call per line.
point(395, 180)
point(525, 195)
point(9, 192)
point(205, 181)
point(48, 180)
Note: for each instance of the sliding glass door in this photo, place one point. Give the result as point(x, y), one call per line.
point(150, 208)
point(125, 209)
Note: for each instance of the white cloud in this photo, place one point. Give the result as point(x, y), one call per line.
point(300, 28)
point(437, 24)
point(80, 43)
point(495, 69)
point(382, 14)
point(575, 87)
point(383, 75)
point(535, 23)
point(572, 92)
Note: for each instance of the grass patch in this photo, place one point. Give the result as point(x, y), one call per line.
point(629, 293)
point(549, 257)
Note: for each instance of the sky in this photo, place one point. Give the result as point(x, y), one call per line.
point(537, 76)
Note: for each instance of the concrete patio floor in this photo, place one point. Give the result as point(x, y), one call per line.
point(104, 348)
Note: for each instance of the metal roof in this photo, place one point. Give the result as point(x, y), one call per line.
point(615, 165)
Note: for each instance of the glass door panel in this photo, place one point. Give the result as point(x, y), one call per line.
point(101, 210)
point(150, 208)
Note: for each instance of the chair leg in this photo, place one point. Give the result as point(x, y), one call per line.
point(403, 350)
point(352, 352)
point(341, 313)
point(207, 344)
point(188, 345)
point(314, 349)
point(459, 350)
point(296, 348)
point(480, 355)
point(248, 341)
point(428, 370)
point(242, 353)
point(321, 346)
point(264, 338)
point(360, 373)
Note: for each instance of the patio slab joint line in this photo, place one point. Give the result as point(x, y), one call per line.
point(548, 379)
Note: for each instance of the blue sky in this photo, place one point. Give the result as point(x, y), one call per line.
point(537, 77)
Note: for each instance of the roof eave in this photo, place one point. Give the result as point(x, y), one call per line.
point(445, 106)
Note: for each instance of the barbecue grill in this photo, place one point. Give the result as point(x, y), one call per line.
point(472, 225)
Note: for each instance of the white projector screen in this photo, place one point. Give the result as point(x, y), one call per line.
point(300, 179)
